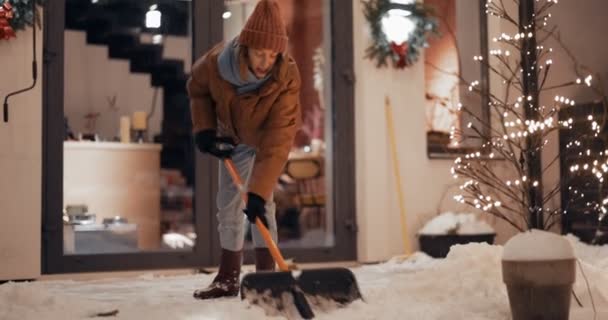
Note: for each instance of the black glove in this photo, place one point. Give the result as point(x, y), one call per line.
point(207, 141)
point(255, 208)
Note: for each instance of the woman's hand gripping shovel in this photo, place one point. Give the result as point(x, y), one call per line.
point(337, 284)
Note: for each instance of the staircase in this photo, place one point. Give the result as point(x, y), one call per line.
point(118, 25)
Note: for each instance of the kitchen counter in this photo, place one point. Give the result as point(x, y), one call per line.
point(116, 179)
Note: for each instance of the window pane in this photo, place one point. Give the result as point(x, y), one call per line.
point(128, 160)
point(447, 58)
point(303, 193)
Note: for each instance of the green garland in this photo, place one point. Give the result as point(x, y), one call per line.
point(22, 13)
point(401, 55)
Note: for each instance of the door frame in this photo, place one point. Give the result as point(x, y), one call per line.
point(207, 30)
point(342, 146)
point(53, 259)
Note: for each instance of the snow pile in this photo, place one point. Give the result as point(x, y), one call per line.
point(537, 245)
point(146, 297)
point(597, 279)
point(595, 255)
point(467, 284)
point(32, 301)
point(593, 265)
point(456, 223)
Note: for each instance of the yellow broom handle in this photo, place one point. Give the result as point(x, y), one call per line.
point(274, 250)
point(393, 147)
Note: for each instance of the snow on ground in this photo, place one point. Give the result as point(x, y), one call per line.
point(595, 255)
point(465, 285)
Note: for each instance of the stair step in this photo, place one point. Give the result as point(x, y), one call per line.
point(167, 71)
point(178, 84)
point(99, 28)
point(176, 109)
point(174, 159)
point(144, 57)
point(75, 10)
point(122, 42)
point(128, 14)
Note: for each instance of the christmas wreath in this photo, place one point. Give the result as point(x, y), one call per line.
point(17, 15)
point(415, 21)
point(6, 14)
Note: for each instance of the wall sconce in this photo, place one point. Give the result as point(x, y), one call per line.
point(153, 17)
point(396, 24)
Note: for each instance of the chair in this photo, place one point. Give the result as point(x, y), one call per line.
point(307, 174)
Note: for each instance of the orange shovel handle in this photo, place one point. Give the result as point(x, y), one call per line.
point(274, 250)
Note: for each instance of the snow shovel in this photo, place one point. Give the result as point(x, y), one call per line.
point(393, 147)
point(337, 284)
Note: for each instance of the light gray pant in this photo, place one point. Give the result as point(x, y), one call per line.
point(232, 220)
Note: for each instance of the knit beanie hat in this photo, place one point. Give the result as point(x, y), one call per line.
point(265, 28)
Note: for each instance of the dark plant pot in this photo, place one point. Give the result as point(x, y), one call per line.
point(438, 246)
point(438, 138)
point(539, 290)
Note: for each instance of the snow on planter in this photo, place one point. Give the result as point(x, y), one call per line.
point(448, 229)
point(455, 223)
point(537, 245)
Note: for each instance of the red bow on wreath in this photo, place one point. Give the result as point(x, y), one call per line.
point(401, 51)
point(6, 13)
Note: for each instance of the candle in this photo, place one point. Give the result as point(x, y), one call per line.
point(125, 129)
point(140, 120)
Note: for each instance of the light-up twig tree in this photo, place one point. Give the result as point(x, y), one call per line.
point(521, 124)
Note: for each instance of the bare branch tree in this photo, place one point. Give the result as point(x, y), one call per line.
point(510, 139)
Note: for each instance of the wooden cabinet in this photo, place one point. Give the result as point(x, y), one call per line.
point(116, 179)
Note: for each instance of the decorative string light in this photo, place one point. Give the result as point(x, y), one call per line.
point(516, 136)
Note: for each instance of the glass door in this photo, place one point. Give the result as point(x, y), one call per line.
point(128, 177)
point(120, 180)
point(315, 203)
point(123, 187)
point(303, 191)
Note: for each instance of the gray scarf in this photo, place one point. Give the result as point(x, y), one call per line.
point(228, 65)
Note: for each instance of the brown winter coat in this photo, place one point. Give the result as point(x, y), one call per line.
point(267, 119)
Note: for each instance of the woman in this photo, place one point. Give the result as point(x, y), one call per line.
point(245, 93)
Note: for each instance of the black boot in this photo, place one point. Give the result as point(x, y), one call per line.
point(263, 260)
point(226, 283)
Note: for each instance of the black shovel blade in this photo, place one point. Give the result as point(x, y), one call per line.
point(272, 284)
point(337, 284)
point(269, 288)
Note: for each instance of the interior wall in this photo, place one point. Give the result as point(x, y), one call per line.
point(20, 160)
point(92, 78)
